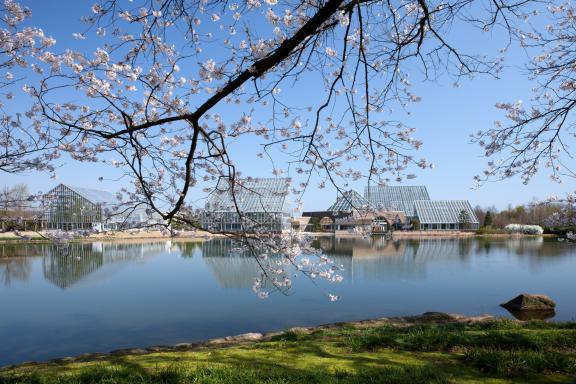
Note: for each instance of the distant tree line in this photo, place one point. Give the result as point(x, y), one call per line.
point(546, 214)
point(18, 210)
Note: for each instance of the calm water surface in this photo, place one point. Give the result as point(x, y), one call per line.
point(104, 296)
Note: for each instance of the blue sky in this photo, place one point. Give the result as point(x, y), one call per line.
point(444, 119)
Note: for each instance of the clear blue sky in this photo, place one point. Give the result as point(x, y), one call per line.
point(444, 119)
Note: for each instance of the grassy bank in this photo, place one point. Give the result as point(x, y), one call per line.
point(486, 352)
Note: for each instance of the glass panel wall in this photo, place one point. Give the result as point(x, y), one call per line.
point(68, 210)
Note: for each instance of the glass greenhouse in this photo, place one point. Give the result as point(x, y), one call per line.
point(72, 208)
point(396, 197)
point(251, 205)
point(349, 201)
point(352, 211)
point(397, 207)
point(446, 215)
point(76, 208)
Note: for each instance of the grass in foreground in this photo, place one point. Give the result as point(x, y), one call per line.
point(492, 352)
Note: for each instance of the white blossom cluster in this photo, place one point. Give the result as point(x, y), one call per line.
point(525, 229)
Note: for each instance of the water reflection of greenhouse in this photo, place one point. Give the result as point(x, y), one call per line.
point(415, 249)
point(373, 258)
point(232, 267)
point(380, 259)
point(66, 266)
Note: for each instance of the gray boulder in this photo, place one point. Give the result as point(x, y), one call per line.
point(244, 337)
point(527, 302)
point(532, 315)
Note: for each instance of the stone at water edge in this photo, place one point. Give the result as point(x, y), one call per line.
point(252, 336)
point(528, 302)
point(532, 315)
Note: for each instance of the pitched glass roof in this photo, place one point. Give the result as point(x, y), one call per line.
point(396, 197)
point(95, 196)
point(252, 195)
point(443, 211)
point(349, 201)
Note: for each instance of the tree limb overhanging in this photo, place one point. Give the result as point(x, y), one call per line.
point(167, 92)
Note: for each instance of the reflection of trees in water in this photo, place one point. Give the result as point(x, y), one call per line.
point(443, 248)
point(524, 246)
point(232, 267)
point(421, 249)
point(381, 259)
point(14, 269)
point(64, 267)
point(187, 249)
point(21, 250)
point(15, 263)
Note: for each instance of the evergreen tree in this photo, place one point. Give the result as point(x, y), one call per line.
point(488, 222)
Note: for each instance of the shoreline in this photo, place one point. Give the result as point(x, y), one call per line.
point(36, 238)
point(433, 347)
point(432, 318)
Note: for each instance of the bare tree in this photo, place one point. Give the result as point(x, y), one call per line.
point(15, 205)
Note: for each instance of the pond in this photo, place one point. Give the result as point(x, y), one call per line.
point(96, 297)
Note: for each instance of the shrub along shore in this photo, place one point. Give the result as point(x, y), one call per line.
point(431, 348)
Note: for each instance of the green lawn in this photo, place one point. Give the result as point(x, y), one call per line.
point(487, 352)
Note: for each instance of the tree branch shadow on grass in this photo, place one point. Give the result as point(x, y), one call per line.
point(390, 355)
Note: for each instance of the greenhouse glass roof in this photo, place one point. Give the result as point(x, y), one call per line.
point(396, 197)
point(95, 196)
point(443, 211)
point(252, 195)
point(349, 201)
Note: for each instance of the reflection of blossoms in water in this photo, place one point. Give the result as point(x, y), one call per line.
point(255, 212)
point(570, 236)
point(278, 255)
